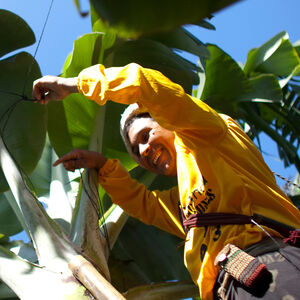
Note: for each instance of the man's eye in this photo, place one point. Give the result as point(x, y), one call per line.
point(145, 136)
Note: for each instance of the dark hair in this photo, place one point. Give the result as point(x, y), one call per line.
point(130, 121)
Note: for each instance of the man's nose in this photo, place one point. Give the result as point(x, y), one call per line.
point(144, 149)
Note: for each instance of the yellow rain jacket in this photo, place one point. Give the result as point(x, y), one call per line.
point(219, 169)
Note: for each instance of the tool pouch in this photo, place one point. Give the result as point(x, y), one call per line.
point(243, 267)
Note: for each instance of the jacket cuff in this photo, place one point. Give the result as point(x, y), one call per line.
point(108, 168)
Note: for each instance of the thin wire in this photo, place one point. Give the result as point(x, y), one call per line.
point(266, 232)
point(274, 241)
point(23, 97)
point(38, 45)
point(8, 112)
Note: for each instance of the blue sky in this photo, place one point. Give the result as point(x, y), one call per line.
point(239, 28)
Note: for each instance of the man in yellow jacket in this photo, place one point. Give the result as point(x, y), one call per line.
point(219, 170)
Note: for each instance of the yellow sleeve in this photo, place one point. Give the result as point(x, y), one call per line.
point(166, 101)
point(158, 208)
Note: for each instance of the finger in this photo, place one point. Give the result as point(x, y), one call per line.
point(46, 98)
point(62, 160)
point(74, 154)
point(73, 164)
point(35, 90)
point(69, 165)
point(43, 89)
point(38, 89)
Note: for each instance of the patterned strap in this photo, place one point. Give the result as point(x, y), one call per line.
point(210, 219)
point(198, 220)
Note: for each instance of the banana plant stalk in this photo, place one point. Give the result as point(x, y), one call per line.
point(30, 281)
point(54, 250)
point(52, 247)
point(85, 232)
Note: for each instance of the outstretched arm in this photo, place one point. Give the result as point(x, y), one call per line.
point(159, 208)
point(53, 88)
point(77, 159)
point(166, 101)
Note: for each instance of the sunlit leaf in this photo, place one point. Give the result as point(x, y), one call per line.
point(266, 88)
point(297, 47)
point(284, 81)
point(269, 57)
point(258, 55)
point(285, 53)
point(71, 122)
point(225, 84)
point(86, 52)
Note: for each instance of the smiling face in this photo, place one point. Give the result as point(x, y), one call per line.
point(153, 146)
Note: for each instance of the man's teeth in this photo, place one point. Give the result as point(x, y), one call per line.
point(156, 157)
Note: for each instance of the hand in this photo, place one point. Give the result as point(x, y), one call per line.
point(53, 88)
point(77, 159)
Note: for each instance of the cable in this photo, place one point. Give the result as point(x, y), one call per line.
point(38, 45)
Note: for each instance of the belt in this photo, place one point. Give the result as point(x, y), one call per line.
point(210, 219)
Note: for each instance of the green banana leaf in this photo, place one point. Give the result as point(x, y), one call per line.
point(160, 51)
point(297, 47)
point(181, 39)
point(6, 292)
point(279, 118)
point(133, 18)
point(225, 82)
point(9, 224)
point(71, 122)
point(14, 32)
point(276, 56)
point(23, 123)
point(145, 254)
point(227, 86)
point(152, 54)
